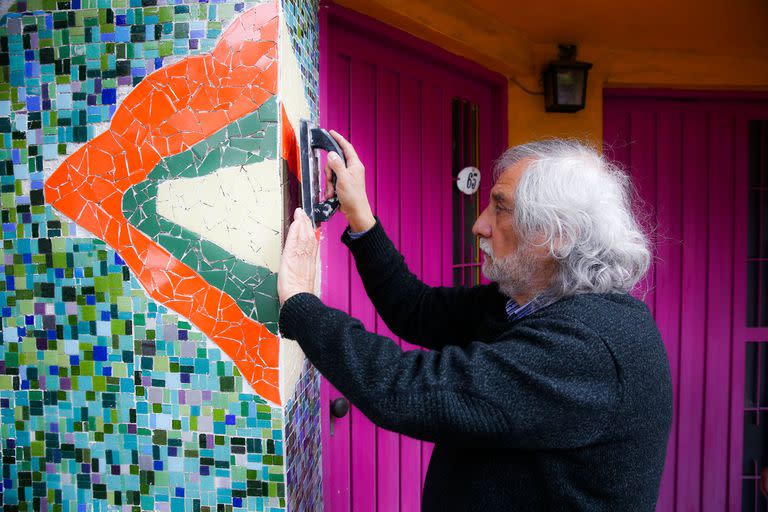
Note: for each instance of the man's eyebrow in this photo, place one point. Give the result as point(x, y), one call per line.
point(499, 198)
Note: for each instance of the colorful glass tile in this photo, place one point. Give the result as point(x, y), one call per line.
point(112, 397)
point(171, 110)
point(228, 249)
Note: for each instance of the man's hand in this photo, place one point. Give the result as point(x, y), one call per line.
point(350, 186)
point(299, 260)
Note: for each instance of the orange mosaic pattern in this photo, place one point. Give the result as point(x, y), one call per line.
point(165, 114)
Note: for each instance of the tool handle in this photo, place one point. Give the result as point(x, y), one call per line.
point(321, 139)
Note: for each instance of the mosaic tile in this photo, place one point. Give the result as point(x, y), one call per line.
point(302, 24)
point(112, 397)
point(167, 113)
point(303, 444)
point(105, 395)
point(302, 432)
point(235, 262)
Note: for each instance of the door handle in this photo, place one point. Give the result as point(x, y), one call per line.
point(339, 407)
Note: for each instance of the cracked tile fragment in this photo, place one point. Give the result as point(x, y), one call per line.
point(169, 112)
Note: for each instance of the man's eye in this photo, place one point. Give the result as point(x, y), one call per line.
point(503, 210)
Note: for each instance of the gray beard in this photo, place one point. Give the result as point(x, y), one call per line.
point(516, 273)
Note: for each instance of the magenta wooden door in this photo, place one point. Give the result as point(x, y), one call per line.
point(392, 96)
point(688, 154)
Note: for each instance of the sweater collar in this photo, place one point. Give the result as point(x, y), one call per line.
point(517, 311)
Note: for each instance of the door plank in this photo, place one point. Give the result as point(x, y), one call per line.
point(433, 213)
point(335, 275)
point(362, 133)
point(692, 329)
point(642, 158)
point(387, 190)
point(719, 339)
point(411, 237)
point(668, 275)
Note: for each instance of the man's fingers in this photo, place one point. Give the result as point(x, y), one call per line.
point(307, 233)
point(336, 163)
point(301, 241)
point(296, 236)
point(298, 262)
point(292, 239)
point(303, 226)
point(294, 231)
point(349, 151)
point(329, 189)
point(308, 238)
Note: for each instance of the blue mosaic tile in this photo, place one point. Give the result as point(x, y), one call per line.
point(303, 436)
point(302, 23)
point(107, 399)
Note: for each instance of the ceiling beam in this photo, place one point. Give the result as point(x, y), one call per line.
point(456, 27)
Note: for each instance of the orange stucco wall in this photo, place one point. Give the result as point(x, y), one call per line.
point(689, 49)
point(625, 68)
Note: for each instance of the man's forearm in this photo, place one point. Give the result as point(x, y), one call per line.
point(424, 394)
point(430, 317)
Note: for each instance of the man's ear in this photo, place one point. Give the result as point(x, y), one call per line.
point(541, 246)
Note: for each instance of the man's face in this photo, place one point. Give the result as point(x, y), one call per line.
point(497, 222)
point(519, 268)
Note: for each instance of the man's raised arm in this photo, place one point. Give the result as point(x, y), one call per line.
point(426, 316)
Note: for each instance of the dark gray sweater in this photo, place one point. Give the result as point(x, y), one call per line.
point(568, 408)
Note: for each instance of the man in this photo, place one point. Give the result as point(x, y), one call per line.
point(548, 389)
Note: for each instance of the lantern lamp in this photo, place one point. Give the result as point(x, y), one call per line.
point(565, 82)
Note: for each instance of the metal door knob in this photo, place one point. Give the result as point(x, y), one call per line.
point(339, 407)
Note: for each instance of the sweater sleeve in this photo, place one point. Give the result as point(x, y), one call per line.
point(531, 391)
point(431, 317)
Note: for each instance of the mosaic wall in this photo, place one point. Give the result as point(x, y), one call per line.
point(148, 164)
point(302, 432)
point(302, 444)
point(301, 22)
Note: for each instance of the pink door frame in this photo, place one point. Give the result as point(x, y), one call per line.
point(399, 461)
point(697, 195)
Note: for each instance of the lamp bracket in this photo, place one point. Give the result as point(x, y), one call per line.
point(567, 51)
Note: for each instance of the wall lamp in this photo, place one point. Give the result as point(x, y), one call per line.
point(565, 82)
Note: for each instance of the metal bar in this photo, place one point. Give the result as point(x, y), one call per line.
point(470, 264)
point(462, 156)
point(757, 381)
point(762, 164)
point(476, 243)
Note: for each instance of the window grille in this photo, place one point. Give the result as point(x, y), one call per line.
point(755, 454)
point(466, 208)
point(757, 237)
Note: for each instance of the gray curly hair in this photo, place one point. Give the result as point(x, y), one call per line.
point(579, 204)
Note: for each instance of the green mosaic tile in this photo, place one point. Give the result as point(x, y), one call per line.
point(252, 287)
point(106, 399)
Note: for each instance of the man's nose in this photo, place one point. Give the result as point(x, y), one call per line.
point(482, 227)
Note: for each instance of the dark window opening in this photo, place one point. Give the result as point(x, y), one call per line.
point(757, 230)
point(466, 208)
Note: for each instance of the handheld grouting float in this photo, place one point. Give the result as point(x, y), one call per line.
point(312, 139)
